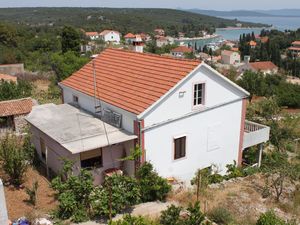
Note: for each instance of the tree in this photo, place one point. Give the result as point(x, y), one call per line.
point(13, 158)
point(70, 40)
point(65, 64)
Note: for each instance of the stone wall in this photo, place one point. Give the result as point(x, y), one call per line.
point(12, 69)
point(20, 123)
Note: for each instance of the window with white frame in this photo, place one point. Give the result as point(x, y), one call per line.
point(198, 95)
point(179, 147)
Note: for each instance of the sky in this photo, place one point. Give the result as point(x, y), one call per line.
point(184, 4)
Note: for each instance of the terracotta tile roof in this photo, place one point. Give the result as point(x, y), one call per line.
point(130, 80)
point(7, 77)
point(252, 43)
point(129, 35)
point(235, 49)
point(91, 33)
point(266, 65)
point(296, 43)
point(15, 107)
point(183, 49)
point(108, 31)
point(294, 48)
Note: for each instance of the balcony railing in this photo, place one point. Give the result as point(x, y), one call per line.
point(255, 133)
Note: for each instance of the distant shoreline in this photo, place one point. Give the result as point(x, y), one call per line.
point(243, 28)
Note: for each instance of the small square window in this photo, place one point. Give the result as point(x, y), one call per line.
point(198, 95)
point(75, 99)
point(179, 147)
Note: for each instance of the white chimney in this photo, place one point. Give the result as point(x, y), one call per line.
point(247, 59)
point(3, 210)
point(138, 44)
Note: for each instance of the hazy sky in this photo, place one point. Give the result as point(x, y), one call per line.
point(203, 4)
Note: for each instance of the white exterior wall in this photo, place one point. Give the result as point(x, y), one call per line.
point(111, 37)
point(212, 137)
point(88, 103)
point(232, 59)
point(217, 92)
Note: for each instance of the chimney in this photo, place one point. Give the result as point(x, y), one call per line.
point(138, 44)
point(247, 59)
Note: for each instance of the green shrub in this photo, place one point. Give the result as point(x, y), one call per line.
point(220, 215)
point(196, 217)
point(153, 187)
point(233, 171)
point(14, 158)
point(171, 216)
point(133, 220)
point(32, 192)
point(270, 218)
point(122, 190)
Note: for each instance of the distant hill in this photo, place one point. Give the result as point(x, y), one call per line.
point(236, 13)
point(252, 13)
point(124, 20)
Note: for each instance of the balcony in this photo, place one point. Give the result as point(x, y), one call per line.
point(255, 134)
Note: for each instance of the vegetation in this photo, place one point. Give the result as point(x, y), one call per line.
point(153, 187)
point(270, 218)
point(284, 93)
point(13, 158)
point(132, 220)
point(32, 193)
point(272, 49)
point(124, 20)
point(220, 215)
point(11, 90)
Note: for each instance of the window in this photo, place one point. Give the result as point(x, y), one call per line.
point(91, 159)
point(43, 148)
point(75, 99)
point(179, 147)
point(199, 94)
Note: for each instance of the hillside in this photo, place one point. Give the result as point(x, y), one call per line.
point(253, 13)
point(124, 20)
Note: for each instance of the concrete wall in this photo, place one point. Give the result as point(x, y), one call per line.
point(3, 209)
point(212, 137)
point(20, 123)
point(212, 131)
point(217, 91)
point(110, 156)
point(88, 103)
point(12, 69)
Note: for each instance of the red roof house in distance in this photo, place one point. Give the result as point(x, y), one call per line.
point(129, 38)
point(8, 78)
point(168, 106)
point(111, 36)
point(181, 51)
point(295, 48)
point(252, 44)
point(159, 32)
point(266, 67)
point(92, 35)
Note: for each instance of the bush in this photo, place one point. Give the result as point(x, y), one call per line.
point(123, 192)
point(153, 187)
point(32, 193)
point(133, 220)
point(270, 218)
point(233, 171)
point(14, 158)
point(73, 193)
point(171, 216)
point(220, 215)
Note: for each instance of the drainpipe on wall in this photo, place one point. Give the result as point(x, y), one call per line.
point(141, 140)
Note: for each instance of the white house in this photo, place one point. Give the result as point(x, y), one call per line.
point(265, 67)
point(230, 57)
point(180, 51)
point(110, 36)
point(92, 35)
point(183, 114)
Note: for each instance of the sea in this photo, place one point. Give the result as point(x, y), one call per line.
point(279, 23)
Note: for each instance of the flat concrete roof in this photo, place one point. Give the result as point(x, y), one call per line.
point(75, 129)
